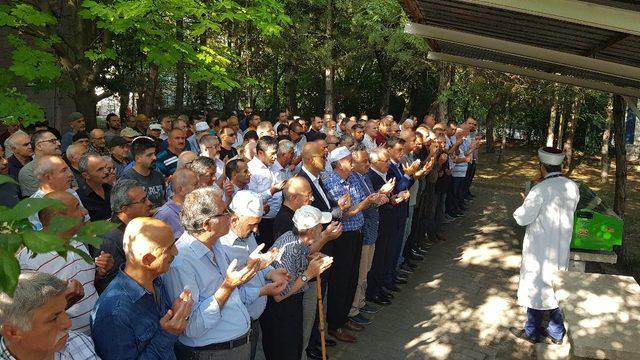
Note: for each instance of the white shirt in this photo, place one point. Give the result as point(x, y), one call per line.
point(261, 178)
point(275, 202)
point(239, 139)
point(238, 248)
point(316, 184)
point(547, 212)
point(73, 267)
point(369, 143)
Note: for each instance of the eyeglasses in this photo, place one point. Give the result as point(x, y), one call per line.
point(141, 201)
point(333, 143)
point(226, 212)
point(53, 141)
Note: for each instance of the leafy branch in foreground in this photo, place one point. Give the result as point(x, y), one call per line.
point(16, 232)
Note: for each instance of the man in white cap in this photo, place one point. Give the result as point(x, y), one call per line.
point(202, 128)
point(282, 323)
point(238, 243)
point(343, 278)
point(547, 212)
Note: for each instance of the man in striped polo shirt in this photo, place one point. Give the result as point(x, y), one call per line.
point(79, 274)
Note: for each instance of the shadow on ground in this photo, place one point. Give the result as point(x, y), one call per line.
point(460, 302)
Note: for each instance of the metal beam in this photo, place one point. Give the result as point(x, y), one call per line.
point(512, 69)
point(574, 11)
point(525, 51)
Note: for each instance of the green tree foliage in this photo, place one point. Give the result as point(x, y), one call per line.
point(99, 43)
point(16, 232)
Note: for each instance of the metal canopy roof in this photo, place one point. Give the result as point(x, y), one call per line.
point(594, 43)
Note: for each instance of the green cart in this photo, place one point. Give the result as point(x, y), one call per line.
point(595, 226)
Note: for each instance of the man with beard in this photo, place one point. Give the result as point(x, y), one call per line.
point(77, 124)
point(144, 153)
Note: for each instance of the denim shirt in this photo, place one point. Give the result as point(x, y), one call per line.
point(125, 323)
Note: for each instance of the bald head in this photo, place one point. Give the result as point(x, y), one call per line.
point(71, 207)
point(185, 158)
point(297, 192)
point(144, 236)
point(183, 181)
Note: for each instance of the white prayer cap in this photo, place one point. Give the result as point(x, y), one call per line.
point(550, 156)
point(408, 122)
point(202, 126)
point(308, 216)
point(155, 127)
point(247, 203)
point(338, 153)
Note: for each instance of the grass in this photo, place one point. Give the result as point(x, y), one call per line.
point(520, 164)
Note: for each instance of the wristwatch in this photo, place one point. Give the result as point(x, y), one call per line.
point(304, 278)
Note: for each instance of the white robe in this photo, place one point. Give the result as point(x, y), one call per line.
point(547, 212)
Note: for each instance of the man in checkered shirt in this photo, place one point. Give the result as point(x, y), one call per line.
point(34, 324)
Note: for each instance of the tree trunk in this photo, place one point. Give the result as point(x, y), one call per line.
point(553, 116)
point(179, 100)
point(385, 95)
point(503, 144)
point(606, 137)
point(124, 104)
point(444, 82)
point(407, 105)
point(329, 70)
point(491, 114)
point(619, 128)
point(291, 88)
point(571, 124)
point(276, 93)
point(86, 103)
point(150, 91)
point(201, 98)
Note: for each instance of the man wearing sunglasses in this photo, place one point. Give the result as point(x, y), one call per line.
point(43, 143)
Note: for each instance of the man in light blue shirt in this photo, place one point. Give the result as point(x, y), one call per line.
point(239, 243)
point(219, 324)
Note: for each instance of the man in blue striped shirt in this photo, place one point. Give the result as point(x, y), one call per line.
point(343, 276)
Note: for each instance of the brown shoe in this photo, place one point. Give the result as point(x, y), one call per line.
point(342, 335)
point(353, 326)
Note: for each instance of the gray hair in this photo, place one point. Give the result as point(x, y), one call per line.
point(83, 164)
point(75, 149)
point(44, 166)
point(207, 139)
point(377, 153)
point(284, 146)
point(10, 142)
point(185, 158)
point(202, 164)
point(33, 291)
point(120, 193)
point(198, 207)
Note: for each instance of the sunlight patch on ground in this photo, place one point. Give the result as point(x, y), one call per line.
point(490, 253)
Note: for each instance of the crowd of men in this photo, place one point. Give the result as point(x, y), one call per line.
point(228, 230)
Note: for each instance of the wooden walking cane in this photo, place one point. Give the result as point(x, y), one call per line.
point(321, 318)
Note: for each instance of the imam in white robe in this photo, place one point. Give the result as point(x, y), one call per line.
point(547, 212)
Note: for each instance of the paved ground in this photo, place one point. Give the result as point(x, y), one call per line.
point(460, 302)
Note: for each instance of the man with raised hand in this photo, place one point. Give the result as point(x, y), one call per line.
point(238, 243)
point(134, 317)
point(219, 324)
